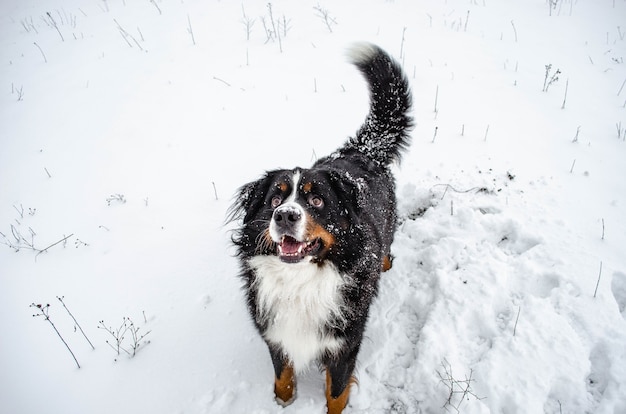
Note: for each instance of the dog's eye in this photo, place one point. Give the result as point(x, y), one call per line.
point(316, 201)
point(276, 200)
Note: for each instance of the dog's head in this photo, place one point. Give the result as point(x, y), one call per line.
point(296, 214)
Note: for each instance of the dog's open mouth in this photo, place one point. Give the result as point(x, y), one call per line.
point(291, 250)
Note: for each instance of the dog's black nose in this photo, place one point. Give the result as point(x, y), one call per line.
point(286, 217)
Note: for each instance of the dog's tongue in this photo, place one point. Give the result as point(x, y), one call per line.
point(289, 245)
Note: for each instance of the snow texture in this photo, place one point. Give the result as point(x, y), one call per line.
point(127, 127)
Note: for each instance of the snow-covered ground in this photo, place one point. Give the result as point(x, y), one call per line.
point(127, 126)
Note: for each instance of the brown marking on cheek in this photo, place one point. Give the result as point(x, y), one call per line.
point(285, 386)
point(315, 231)
point(336, 405)
point(307, 187)
point(386, 263)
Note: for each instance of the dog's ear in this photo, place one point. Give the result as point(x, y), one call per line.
point(248, 199)
point(352, 191)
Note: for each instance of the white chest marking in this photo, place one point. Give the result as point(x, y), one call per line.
point(297, 300)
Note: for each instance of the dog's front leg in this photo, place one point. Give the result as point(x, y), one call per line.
point(339, 378)
point(285, 379)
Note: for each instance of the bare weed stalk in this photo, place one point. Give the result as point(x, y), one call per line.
point(598, 282)
point(576, 136)
point(19, 241)
point(116, 198)
point(549, 77)
point(458, 390)
point(514, 30)
point(41, 51)
point(519, 310)
point(324, 14)
point(75, 321)
point(190, 30)
point(127, 36)
point(247, 22)
point(53, 23)
point(157, 6)
point(126, 337)
point(44, 310)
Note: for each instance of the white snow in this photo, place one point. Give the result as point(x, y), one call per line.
point(126, 139)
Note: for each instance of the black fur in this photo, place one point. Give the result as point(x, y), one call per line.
point(359, 211)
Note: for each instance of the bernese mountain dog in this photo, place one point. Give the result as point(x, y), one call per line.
point(313, 242)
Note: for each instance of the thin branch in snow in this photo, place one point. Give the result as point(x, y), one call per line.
point(598, 282)
point(458, 390)
point(221, 80)
point(402, 43)
point(75, 321)
point(549, 79)
point(324, 14)
point(247, 22)
point(565, 97)
point(53, 23)
point(44, 310)
point(190, 30)
point(127, 35)
point(41, 51)
point(514, 30)
point(214, 190)
point(157, 6)
point(576, 136)
point(519, 309)
point(119, 336)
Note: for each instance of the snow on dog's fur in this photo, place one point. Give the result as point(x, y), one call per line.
point(313, 241)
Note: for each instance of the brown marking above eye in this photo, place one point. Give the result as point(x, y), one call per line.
point(307, 187)
point(283, 187)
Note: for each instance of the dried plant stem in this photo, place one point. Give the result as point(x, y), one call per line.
point(53, 244)
point(602, 229)
point(435, 134)
point(190, 30)
point(53, 23)
point(75, 321)
point(598, 282)
point(519, 309)
point(41, 51)
point(45, 312)
point(514, 30)
point(214, 189)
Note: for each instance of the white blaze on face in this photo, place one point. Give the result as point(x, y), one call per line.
point(295, 181)
point(289, 204)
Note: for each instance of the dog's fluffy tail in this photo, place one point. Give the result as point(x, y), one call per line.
point(385, 132)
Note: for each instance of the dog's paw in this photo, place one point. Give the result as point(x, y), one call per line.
point(284, 404)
